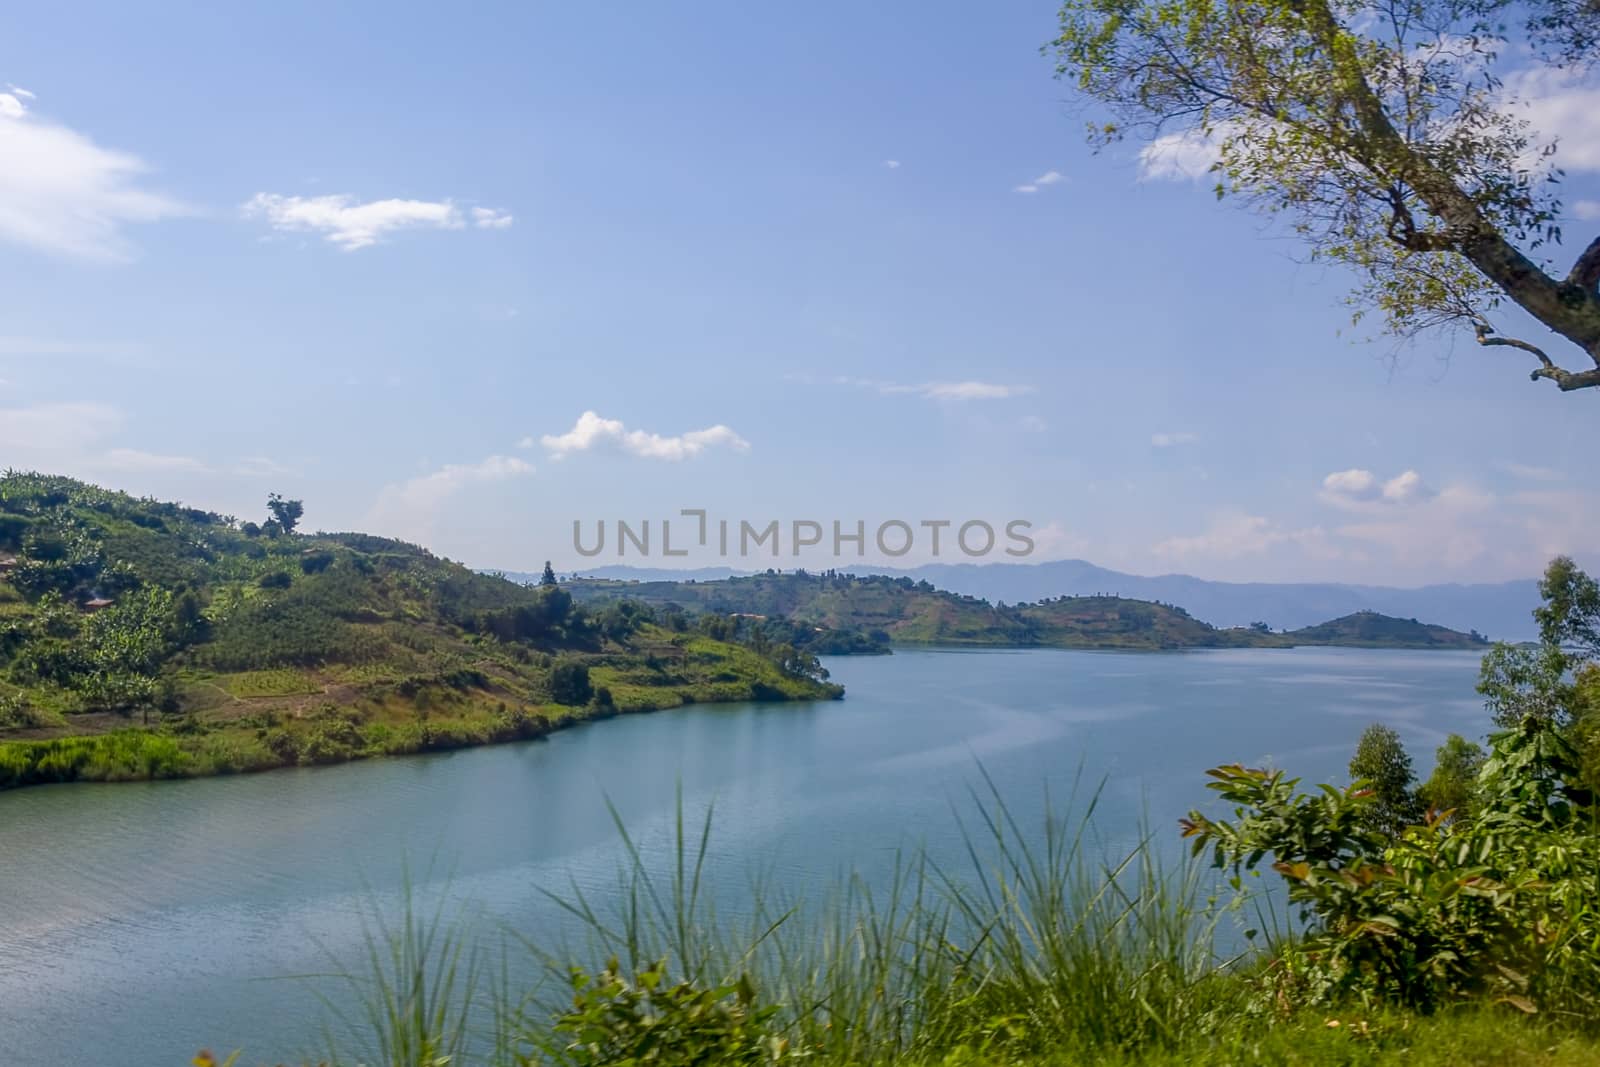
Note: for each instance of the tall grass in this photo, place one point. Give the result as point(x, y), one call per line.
point(1040, 943)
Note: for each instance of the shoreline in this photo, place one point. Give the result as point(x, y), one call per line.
point(444, 735)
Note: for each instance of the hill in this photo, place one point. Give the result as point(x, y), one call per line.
point(1503, 609)
point(145, 639)
point(1368, 629)
point(914, 612)
point(907, 612)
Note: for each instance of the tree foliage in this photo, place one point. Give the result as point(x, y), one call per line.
point(1387, 136)
point(1382, 765)
point(285, 513)
point(1453, 786)
point(1495, 899)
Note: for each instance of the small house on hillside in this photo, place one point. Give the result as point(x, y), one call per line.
point(8, 563)
point(99, 603)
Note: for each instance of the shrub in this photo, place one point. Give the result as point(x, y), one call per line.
point(647, 1018)
point(569, 683)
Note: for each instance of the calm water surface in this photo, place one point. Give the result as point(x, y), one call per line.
point(141, 922)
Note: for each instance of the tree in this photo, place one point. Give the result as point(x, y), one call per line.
point(1381, 761)
point(569, 683)
point(1540, 681)
point(1454, 781)
point(286, 513)
point(1384, 134)
point(549, 575)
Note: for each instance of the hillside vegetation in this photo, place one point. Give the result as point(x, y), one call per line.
point(148, 639)
point(904, 611)
point(1368, 629)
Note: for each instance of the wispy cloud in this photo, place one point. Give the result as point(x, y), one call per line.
point(1048, 178)
point(592, 432)
point(133, 460)
point(892, 164)
point(351, 224)
point(1235, 534)
point(962, 390)
point(63, 194)
point(1172, 440)
point(409, 509)
point(1586, 210)
point(1529, 472)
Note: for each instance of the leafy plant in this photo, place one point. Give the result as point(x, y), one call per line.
point(619, 1019)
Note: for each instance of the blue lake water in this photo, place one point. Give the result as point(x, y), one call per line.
point(144, 921)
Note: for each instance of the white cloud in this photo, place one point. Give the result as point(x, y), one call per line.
point(961, 390)
point(1563, 104)
point(892, 164)
point(56, 428)
point(486, 218)
point(967, 390)
point(1185, 156)
point(1034, 424)
point(1049, 177)
point(526, 442)
point(350, 224)
point(591, 431)
point(1170, 440)
point(1361, 490)
point(1354, 482)
point(62, 193)
point(1404, 488)
point(1586, 210)
point(409, 508)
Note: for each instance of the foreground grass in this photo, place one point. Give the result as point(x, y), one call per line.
point(1039, 953)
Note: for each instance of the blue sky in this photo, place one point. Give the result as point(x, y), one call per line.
point(385, 259)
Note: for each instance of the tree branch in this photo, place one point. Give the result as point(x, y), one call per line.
point(1565, 380)
point(1403, 227)
point(1572, 312)
point(1586, 272)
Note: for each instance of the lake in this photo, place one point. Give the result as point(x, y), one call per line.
point(144, 921)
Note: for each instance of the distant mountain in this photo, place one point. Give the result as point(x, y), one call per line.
point(1501, 610)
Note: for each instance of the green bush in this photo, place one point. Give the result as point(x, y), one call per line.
point(646, 1017)
point(1497, 899)
point(569, 683)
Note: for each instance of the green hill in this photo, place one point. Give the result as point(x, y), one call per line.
point(1368, 629)
point(903, 611)
point(907, 612)
point(148, 639)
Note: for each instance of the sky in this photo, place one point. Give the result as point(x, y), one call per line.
point(467, 277)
